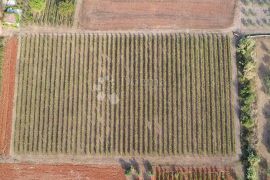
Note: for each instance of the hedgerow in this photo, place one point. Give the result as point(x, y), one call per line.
point(247, 100)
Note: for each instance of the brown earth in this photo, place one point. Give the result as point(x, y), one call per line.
point(263, 64)
point(156, 14)
point(63, 171)
point(7, 94)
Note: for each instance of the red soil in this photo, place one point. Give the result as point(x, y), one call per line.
point(156, 14)
point(7, 94)
point(58, 172)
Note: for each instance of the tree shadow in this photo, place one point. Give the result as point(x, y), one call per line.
point(265, 48)
point(266, 131)
point(263, 71)
point(148, 168)
point(135, 164)
point(263, 168)
point(124, 164)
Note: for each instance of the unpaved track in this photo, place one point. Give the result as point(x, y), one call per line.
point(149, 14)
point(7, 94)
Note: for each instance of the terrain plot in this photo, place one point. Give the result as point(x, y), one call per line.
point(157, 14)
point(124, 94)
point(60, 171)
point(7, 93)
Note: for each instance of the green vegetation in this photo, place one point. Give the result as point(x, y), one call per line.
point(247, 96)
point(1, 60)
point(47, 12)
point(37, 5)
point(125, 94)
point(66, 8)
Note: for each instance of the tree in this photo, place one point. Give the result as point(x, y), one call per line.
point(37, 5)
point(66, 8)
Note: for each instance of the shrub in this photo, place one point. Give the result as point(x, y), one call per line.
point(66, 8)
point(251, 173)
point(37, 5)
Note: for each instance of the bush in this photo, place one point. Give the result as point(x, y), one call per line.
point(66, 8)
point(251, 173)
point(37, 5)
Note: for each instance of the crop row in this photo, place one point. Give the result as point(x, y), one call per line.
point(124, 94)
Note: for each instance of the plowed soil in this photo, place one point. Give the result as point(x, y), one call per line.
point(7, 94)
point(156, 14)
point(63, 171)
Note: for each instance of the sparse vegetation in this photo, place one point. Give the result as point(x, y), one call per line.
point(66, 8)
point(47, 12)
point(37, 5)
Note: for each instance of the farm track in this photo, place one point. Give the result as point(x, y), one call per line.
point(7, 94)
point(124, 94)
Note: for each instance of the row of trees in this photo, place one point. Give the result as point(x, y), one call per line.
point(247, 96)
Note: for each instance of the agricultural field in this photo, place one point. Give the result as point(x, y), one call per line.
point(255, 14)
point(124, 94)
point(50, 15)
point(157, 14)
point(263, 102)
point(60, 171)
point(180, 173)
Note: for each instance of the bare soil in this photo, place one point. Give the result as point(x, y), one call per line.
point(60, 171)
point(263, 63)
point(157, 14)
point(7, 95)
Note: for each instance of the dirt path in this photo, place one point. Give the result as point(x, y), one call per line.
point(60, 171)
point(7, 94)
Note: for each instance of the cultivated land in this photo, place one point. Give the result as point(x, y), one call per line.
point(124, 94)
point(50, 16)
point(157, 14)
point(179, 173)
point(25, 171)
point(263, 99)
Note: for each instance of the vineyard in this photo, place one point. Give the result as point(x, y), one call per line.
point(178, 173)
point(124, 94)
point(50, 15)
